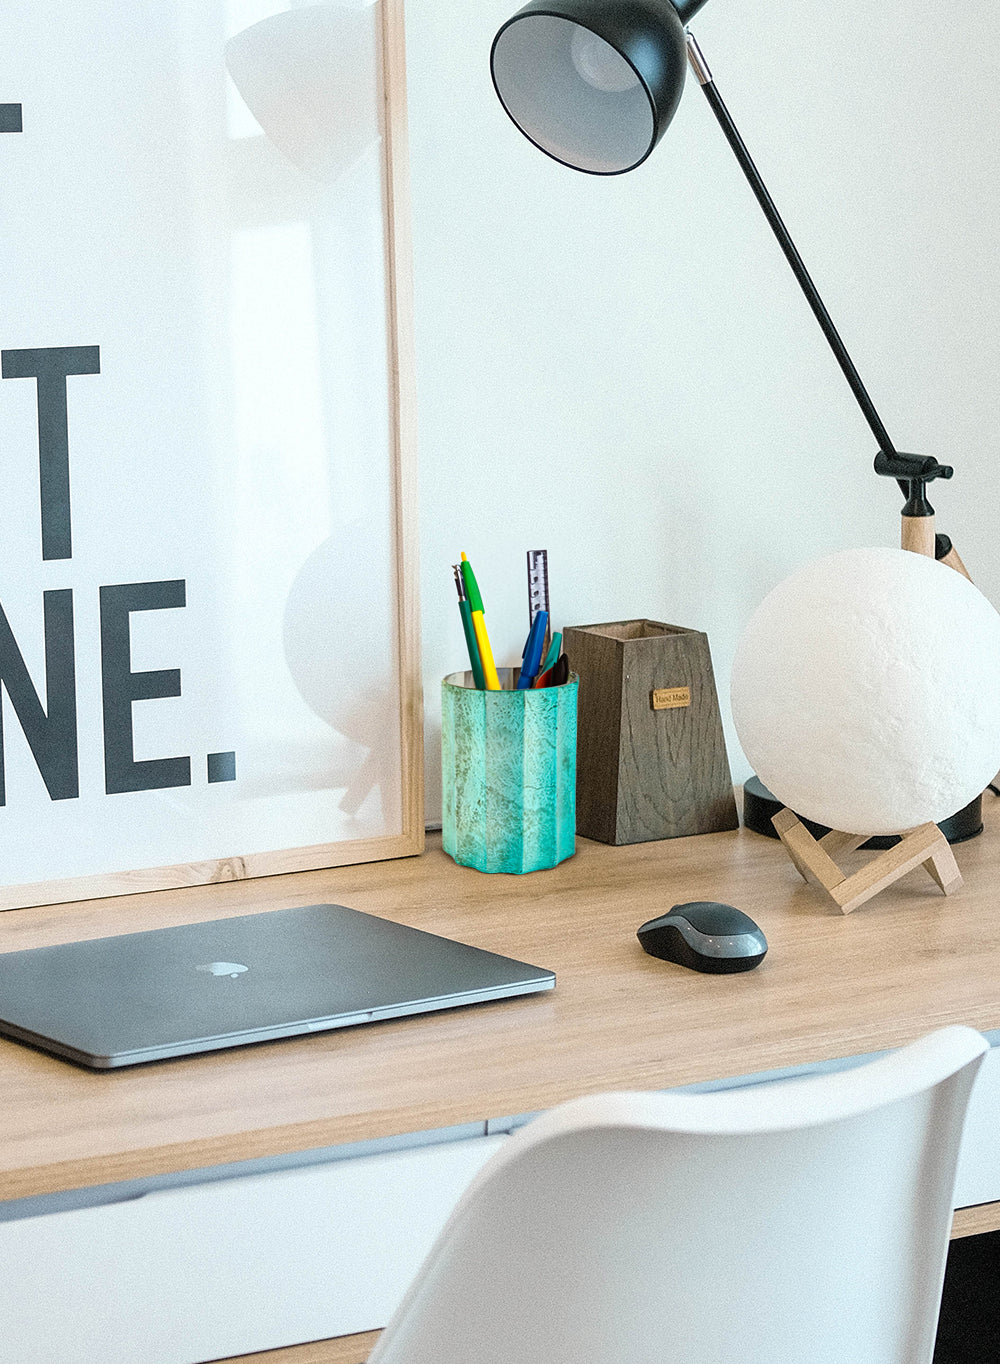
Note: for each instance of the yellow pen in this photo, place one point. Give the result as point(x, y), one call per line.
point(479, 625)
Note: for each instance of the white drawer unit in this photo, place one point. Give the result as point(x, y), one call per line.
point(228, 1267)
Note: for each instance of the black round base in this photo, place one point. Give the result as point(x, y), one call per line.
point(759, 807)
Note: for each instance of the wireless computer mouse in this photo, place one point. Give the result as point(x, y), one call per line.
point(705, 935)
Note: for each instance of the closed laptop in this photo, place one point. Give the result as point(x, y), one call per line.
point(117, 1001)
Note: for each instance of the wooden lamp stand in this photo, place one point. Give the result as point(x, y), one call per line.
point(815, 859)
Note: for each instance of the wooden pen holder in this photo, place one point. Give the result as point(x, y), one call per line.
point(651, 756)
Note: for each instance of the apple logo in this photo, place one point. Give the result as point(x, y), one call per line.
point(232, 969)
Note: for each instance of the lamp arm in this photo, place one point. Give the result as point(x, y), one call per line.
point(910, 471)
point(700, 69)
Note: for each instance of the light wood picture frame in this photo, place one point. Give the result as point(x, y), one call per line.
point(209, 630)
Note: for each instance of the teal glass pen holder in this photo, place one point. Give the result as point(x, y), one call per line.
point(508, 774)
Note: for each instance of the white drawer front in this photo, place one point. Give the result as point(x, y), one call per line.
point(228, 1268)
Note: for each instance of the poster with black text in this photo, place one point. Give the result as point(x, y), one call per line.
point(199, 596)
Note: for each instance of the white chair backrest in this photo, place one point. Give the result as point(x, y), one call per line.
point(798, 1222)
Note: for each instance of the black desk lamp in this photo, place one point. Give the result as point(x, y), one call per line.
point(594, 84)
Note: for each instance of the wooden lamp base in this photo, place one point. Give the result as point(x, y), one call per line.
point(814, 859)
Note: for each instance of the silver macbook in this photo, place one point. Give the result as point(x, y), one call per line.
point(109, 1002)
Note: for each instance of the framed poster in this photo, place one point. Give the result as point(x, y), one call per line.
point(208, 622)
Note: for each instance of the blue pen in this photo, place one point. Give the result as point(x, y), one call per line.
point(532, 656)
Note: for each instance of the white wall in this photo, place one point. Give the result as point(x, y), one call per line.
point(623, 370)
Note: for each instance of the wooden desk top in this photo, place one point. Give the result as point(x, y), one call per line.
point(908, 961)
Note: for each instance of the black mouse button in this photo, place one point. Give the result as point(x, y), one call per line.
point(714, 918)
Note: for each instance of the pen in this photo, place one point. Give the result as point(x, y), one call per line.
point(556, 676)
point(553, 653)
point(479, 625)
point(470, 634)
point(560, 672)
point(532, 655)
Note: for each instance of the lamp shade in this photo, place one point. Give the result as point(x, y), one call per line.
point(864, 691)
point(594, 84)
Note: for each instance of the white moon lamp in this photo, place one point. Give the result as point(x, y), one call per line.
point(866, 691)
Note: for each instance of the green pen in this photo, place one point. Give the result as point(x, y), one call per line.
point(470, 633)
point(490, 677)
